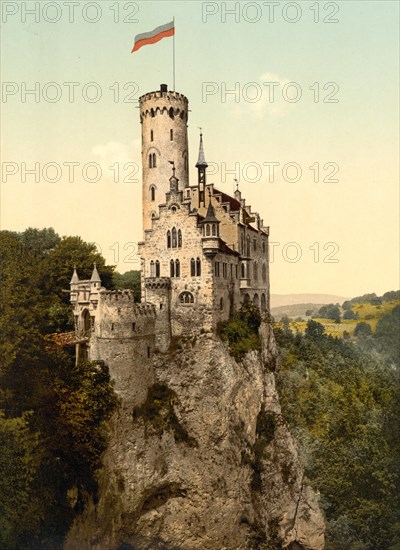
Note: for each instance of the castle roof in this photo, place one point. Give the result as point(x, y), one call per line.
point(75, 278)
point(201, 163)
point(234, 204)
point(95, 278)
point(210, 216)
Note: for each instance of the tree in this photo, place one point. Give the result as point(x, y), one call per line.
point(330, 311)
point(350, 314)
point(129, 279)
point(362, 329)
point(314, 329)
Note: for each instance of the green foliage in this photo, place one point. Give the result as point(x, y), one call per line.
point(241, 331)
point(350, 314)
point(52, 420)
point(362, 329)
point(314, 329)
point(129, 279)
point(330, 311)
point(159, 411)
point(342, 404)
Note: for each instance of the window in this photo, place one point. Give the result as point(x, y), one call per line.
point(255, 245)
point(221, 304)
point(172, 268)
point(263, 245)
point(152, 113)
point(152, 269)
point(168, 239)
point(214, 229)
point(174, 240)
point(133, 326)
point(264, 272)
point(255, 272)
point(179, 238)
point(112, 326)
point(177, 268)
point(151, 135)
point(198, 267)
point(236, 270)
point(231, 271)
point(154, 160)
point(186, 298)
point(157, 268)
point(243, 271)
point(192, 268)
point(263, 302)
point(153, 193)
point(207, 230)
point(148, 351)
point(171, 135)
point(171, 112)
point(224, 270)
point(216, 269)
point(248, 246)
point(150, 161)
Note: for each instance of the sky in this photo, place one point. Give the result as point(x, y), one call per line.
point(298, 101)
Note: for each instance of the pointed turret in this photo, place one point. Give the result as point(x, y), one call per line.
point(201, 163)
point(75, 278)
point(95, 278)
point(201, 166)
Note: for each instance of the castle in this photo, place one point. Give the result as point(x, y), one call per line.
point(203, 253)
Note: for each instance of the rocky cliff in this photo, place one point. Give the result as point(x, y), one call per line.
point(201, 458)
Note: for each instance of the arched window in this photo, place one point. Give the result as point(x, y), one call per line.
point(243, 271)
point(153, 193)
point(154, 160)
point(186, 298)
point(157, 268)
point(151, 135)
point(214, 229)
point(256, 300)
point(264, 272)
point(171, 112)
point(177, 268)
point(198, 267)
point(208, 230)
point(171, 135)
point(152, 269)
point(263, 303)
point(152, 113)
point(255, 271)
point(192, 268)
point(221, 304)
point(168, 239)
point(150, 161)
point(179, 238)
point(248, 246)
point(172, 268)
point(174, 240)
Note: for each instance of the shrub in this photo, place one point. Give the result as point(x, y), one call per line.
point(241, 331)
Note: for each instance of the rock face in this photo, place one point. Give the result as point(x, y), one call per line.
point(203, 461)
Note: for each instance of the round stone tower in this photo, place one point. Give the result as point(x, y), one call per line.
point(163, 116)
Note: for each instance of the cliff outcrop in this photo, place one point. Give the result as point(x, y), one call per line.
point(199, 457)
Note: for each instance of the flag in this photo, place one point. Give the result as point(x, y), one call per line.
point(153, 36)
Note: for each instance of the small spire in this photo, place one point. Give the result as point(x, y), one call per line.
point(201, 163)
point(75, 278)
point(95, 278)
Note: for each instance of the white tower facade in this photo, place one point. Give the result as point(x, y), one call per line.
point(164, 118)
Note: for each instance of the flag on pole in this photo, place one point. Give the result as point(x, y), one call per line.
point(153, 36)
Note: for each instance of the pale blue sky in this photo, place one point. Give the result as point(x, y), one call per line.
point(359, 132)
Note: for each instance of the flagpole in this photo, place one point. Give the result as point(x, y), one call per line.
point(173, 55)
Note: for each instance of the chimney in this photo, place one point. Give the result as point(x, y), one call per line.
point(163, 88)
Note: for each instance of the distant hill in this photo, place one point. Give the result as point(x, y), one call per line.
point(295, 310)
point(278, 300)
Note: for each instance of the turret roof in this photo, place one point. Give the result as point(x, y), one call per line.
point(95, 278)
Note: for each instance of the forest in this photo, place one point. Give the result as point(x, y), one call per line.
point(340, 398)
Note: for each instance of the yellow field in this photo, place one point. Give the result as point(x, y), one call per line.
point(336, 329)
